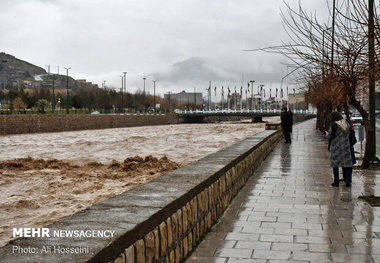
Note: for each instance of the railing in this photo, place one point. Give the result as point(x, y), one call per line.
point(243, 111)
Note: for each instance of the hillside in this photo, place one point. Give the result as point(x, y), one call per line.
point(15, 73)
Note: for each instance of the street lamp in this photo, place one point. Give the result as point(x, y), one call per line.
point(261, 96)
point(125, 86)
point(53, 101)
point(144, 78)
point(252, 81)
point(122, 95)
point(154, 96)
point(67, 89)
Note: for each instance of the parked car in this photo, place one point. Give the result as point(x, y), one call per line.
point(356, 118)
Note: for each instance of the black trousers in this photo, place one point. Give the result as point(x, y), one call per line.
point(287, 134)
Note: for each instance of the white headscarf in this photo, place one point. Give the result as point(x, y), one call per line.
point(342, 124)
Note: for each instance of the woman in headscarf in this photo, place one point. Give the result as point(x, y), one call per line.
point(339, 146)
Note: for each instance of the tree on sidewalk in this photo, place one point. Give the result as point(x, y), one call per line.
point(333, 62)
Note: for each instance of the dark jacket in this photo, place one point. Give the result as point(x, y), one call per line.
point(286, 120)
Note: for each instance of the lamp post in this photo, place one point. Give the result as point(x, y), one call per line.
point(122, 93)
point(169, 102)
point(125, 86)
point(261, 96)
point(144, 78)
point(252, 81)
point(53, 101)
point(67, 90)
point(154, 96)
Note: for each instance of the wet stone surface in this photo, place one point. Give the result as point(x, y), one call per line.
point(289, 212)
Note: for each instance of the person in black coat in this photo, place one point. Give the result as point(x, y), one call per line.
point(286, 124)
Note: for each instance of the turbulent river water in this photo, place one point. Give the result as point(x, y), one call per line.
point(44, 177)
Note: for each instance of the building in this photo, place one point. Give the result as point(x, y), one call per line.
point(186, 97)
point(297, 101)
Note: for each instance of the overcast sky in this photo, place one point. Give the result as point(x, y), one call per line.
point(182, 44)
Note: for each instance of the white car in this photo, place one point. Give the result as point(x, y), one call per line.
point(356, 118)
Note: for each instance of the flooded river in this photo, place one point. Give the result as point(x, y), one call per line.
point(62, 173)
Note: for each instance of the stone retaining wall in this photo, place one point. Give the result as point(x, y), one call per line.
point(161, 221)
point(17, 124)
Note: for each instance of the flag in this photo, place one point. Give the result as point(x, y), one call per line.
point(264, 92)
point(270, 92)
point(282, 93)
point(215, 90)
point(276, 92)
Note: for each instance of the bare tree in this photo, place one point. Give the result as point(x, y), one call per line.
point(344, 75)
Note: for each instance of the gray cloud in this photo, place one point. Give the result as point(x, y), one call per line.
point(179, 42)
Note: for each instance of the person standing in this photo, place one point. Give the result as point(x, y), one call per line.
point(286, 124)
point(339, 146)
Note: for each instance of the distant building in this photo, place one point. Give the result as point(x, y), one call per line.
point(297, 101)
point(186, 97)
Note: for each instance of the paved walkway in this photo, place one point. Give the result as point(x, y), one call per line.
point(289, 212)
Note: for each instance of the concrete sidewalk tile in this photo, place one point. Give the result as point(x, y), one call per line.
point(244, 260)
point(311, 240)
point(253, 218)
point(276, 225)
point(234, 252)
point(289, 246)
point(327, 248)
point(242, 237)
point(343, 258)
point(267, 254)
point(257, 230)
point(194, 259)
point(311, 256)
point(253, 245)
point(286, 261)
point(217, 244)
point(289, 232)
point(307, 226)
point(276, 238)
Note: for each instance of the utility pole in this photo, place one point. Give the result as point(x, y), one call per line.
point(371, 54)
point(154, 96)
point(67, 90)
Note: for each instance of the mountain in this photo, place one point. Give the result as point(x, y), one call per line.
point(15, 73)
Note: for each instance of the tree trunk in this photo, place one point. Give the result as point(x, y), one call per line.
point(368, 131)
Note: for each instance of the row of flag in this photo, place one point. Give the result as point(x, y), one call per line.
point(260, 91)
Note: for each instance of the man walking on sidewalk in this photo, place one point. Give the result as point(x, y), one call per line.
point(286, 124)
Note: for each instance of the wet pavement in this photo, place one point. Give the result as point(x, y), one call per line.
point(289, 212)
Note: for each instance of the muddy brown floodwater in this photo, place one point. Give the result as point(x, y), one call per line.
point(47, 176)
